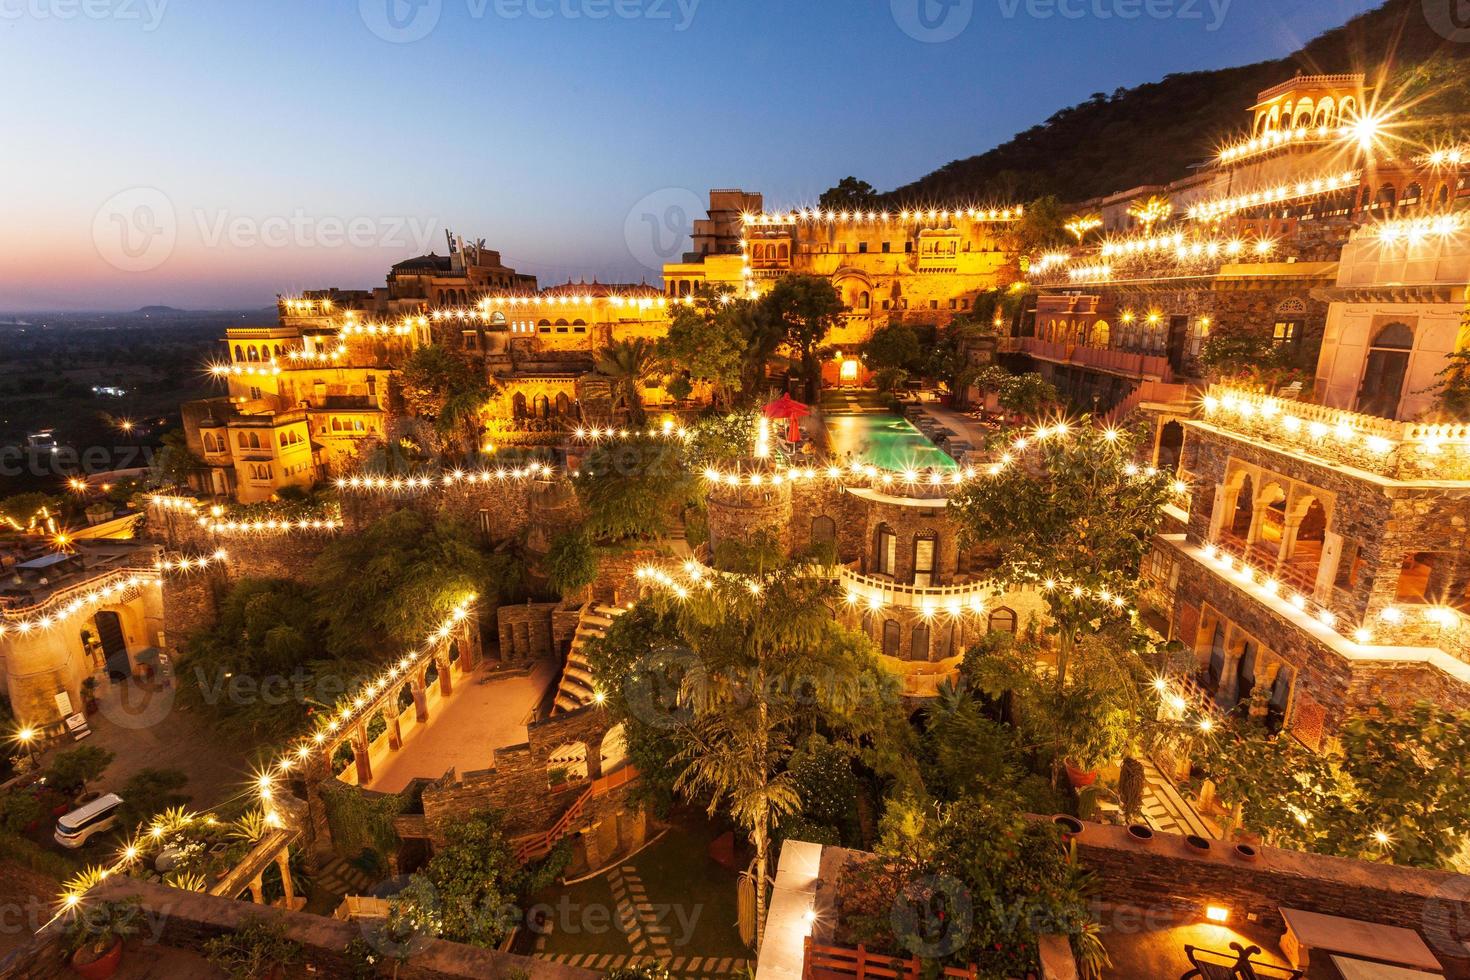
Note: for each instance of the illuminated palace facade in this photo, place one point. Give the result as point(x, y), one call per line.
point(1248, 245)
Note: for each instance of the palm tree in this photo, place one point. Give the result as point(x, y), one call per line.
point(629, 364)
point(1151, 210)
point(1081, 224)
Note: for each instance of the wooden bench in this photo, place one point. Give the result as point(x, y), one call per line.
point(1308, 931)
point(1211, 965)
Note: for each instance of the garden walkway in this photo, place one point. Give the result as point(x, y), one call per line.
point(1166, 810)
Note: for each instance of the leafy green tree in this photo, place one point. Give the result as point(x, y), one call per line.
point(766, 664)
point(176, 464)
point(1026, 395)
point(384, 589)
point(709, 342)
point(19, 808)
point(950, 359)
point(23, 508)
point(807, 308)
point(629, 364)
point(253, 670)
point(985, 883)
point(850, 194)
point(893, 346)
point(149, 792)
point(633, 488)
point(571, 562)
point(440, 385)
point(1078, 521)
point(72, 769)
point(468, 890)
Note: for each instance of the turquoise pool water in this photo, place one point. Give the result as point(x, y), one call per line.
point(887, 441)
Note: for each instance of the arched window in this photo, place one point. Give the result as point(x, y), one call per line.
point(252, 354)
point(1412, 194)
point(518, 405)
point(563, 404)
point(885, 550)
point(823, 529)
point(1002, 620)
point(864, 300)
point(926, 544)
point(784, 252)
point(1216, 670)
point(1385, 369)
point(919, 642)
point(1101, 334)
point(542, 406)
point(891, 637)
point(239, 354)
point(1387, 197)
point(336, 424)
point(1245, 509)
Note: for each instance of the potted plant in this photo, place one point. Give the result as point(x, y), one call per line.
point(93, 936)
point(1140, 833)
point(89, 695)
point(259, 948)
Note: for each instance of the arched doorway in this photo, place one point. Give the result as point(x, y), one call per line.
point(614, 749)
point(114, 645)
point(1245, 509)
point(1384, 370)
point(1171, 446)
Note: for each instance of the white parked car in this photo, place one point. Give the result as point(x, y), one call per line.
point(78, 826)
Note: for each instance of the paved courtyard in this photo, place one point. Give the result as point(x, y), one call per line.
point(486, 711)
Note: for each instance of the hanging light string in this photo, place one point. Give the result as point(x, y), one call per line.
point(190, 563)
point(75, 601)
point(263, 785)
point(809, 215)
point(1301, 190)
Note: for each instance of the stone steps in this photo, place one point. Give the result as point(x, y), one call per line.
point(578, 687)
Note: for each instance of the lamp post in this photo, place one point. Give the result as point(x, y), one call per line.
point(27, 737)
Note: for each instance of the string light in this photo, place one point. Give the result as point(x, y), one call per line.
point(1225, 206)
point(270, 525)
point(60, 608)
point(798, 216)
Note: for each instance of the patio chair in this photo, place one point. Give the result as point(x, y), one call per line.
point(1212, 965)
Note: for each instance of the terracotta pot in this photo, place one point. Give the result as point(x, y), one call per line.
point(103, 966)
point(1197, 843)
point(1080, 778)
point(1245, 852)
point(1070, 825)
point(1140, 833)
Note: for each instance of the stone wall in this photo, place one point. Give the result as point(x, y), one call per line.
point(519, 782)
point(525, 632)
point(1328, 689)
point(1168, 874)
point(1376, 522)
point(187, 920)
point(617, 581)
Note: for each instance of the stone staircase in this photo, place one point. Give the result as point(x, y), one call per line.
point(576, 689)
point(337, 877)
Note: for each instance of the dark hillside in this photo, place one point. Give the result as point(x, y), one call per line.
point(1154, 133)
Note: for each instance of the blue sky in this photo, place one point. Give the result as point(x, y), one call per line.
point(215, 154)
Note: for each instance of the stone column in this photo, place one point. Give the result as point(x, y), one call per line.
point(283, 861)
point(1217, 512)
point(446, 683)
point(420, 698)
point(390, 715)
point(257, 891)
point(360, 755)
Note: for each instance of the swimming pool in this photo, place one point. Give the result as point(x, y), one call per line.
point(887, 441)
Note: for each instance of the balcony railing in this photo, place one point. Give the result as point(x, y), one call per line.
point(1405, 450)
point(959, 597)
point(1127, 363)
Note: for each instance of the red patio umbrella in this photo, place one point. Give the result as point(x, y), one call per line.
point(790, 409)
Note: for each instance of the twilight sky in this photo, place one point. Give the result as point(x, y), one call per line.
point(214, 153)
